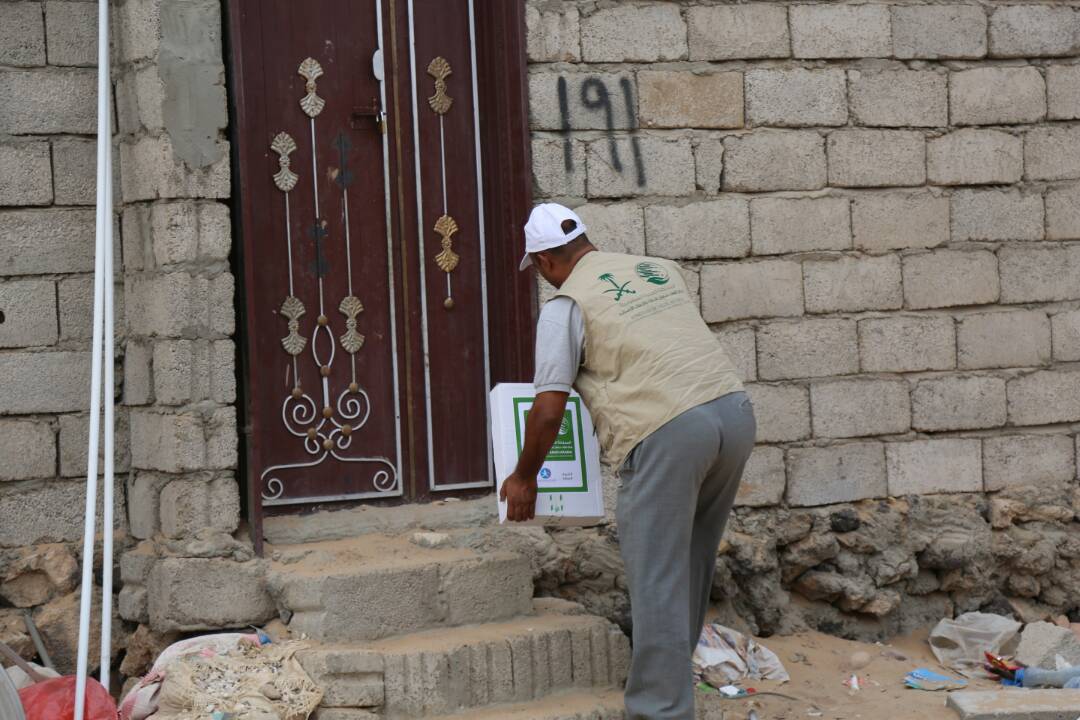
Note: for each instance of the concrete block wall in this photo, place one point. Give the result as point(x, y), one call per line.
point(175, 372)
point(880, 203)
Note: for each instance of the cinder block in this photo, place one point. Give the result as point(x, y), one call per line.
point(1028, 461)
point(1066, 335)
point(729, 32)
point(774, 160)
point(618, 227)
point(28, 309)
point(181, 371)
point(634, 33)
point(1052, 152)
point(997, 96)
point(852, 284)
point(907, 343)
point(38, 242)
point(150, 169)
point(680, 98)
point(996, 215)
point(876, 158)
point(958, 403)
point(741, 349)
point(1031, 30)
point(591, 101)
point(796, 97)
point(143, 503)
point(1039, 273)
point(27, 178)
point(222, 312)
point(558, 167)
point(899, 98)
point(221, 439)
point(74, 435)
point(75, 301)
point(981, 339)
point(44, 382)
point(860, 407)
point(71, 32)
point(40, 102)
point(28, 449)
point(925, 467)
point(191, 594)
point(836, 474)
point(666, 166)
point(939, 31)
point(223, 371)
point(140, 100)
point(898, 221)
point(169, 443)
point(782, 412)
point(840, 31)
point(45, 513)
point(199, 501)
point(22, 34)
point(169, 305)
point(770, 288)
point(974, 157)
point(1063, 213)
point(807, 348)
point(709, 163)
point(946, 278)
point(1044, 397)
point(787, 225)
point(552, 35)
point(215, 231)
point(763, 479)
point(1063, 92)
point(138, 383)
point(75, 170)
point(702, 230)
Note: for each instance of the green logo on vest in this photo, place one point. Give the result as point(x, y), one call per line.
point(650, 272)
point(616, 288)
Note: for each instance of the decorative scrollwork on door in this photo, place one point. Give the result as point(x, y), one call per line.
point(327, 419)
point(447, 259)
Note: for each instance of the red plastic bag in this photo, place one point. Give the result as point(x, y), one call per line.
point(55, 700)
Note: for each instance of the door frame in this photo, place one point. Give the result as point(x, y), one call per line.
point(506, 165)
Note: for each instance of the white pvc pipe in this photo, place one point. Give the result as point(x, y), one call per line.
point(102, 264)
point(108, 367)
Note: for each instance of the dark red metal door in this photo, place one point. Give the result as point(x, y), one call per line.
point(365, 248)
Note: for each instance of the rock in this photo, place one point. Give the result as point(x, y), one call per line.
point(1029, 611)
point(430, 539)
point(13, 633)
point(883, 603)
point(211, 543)
point(58, 623)
point(750, 554)
point(38, 574)
point(1041, 642)
point(859, 660)
point(844, 521)
point(806, 554)
point(998, 605)
point(143, 648)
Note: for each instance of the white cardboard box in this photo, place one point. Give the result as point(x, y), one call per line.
point(569, 483)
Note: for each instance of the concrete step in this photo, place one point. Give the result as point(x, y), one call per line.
point(1016, 704)
point(580, 705)
point(377, 586)
point(435, 672)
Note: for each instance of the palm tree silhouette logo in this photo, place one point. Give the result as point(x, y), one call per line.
point(616, 288)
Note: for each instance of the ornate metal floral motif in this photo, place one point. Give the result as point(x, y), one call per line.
point(351, 340)
point(311, 103)
point(293, 309)
point(284, 145)
point(440, 69)
point(447, 260)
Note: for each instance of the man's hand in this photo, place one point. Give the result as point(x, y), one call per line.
point(519, 493)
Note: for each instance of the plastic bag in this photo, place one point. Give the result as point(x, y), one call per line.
point(55, 700)
point(959, 644)
point(725, 656)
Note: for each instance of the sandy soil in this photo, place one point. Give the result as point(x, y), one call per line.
point(819, 664)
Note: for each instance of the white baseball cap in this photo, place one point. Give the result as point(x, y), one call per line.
point(544, 229)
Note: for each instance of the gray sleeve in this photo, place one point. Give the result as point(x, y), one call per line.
point(560, 340)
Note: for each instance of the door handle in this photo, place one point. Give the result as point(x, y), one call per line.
point(363, 114)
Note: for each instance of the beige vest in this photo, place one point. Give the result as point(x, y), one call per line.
point(648, 354)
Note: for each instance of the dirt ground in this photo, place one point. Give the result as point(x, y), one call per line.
point(819, 664)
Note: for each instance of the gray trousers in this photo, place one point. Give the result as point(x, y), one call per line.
point(675, 493)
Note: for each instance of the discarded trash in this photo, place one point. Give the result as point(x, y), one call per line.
point(729, 691)
point(724, 656)
point(924, 679)
point(55, 700)
point(852, 683)
point(959, 644)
